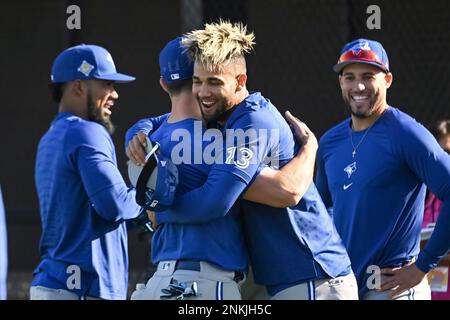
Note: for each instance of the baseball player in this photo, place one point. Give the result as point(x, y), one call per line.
point(295, 252)
point(199, 260)
point(372, 171)
point(83, 198)
point(3, 251)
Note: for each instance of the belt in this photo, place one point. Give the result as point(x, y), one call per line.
point(402, 264)
point(195, 266)
point(187, 265)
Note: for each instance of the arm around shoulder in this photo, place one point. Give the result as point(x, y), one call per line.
point(285, 187)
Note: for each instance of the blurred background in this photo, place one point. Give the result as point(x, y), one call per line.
point(297, 43)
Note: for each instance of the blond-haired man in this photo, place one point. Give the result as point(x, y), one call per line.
point(186, 267)
point(295, 252)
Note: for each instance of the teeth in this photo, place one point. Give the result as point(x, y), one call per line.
point(208, 103)
point(359, 98)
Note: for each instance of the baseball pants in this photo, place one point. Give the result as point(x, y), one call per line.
point(421, 291)
point(44, 293)
point(252, 291)
point(339, 288)
point(192, 280)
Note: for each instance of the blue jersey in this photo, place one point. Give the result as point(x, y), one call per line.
point(286, 246)
point(83, 204)
point(218, 241)
point(147, 126)
point(3, 251)
point(377, 197)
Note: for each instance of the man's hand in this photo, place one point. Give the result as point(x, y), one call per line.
point(136, 149)
point(301, 132)
point(401, 279)
point(152, 218)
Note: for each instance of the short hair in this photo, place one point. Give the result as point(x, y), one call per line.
point(56, 91)
point(178, 86)
point(218, 43)
point(441, 128)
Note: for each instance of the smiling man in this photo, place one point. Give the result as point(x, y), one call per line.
point(83, 198)
point(178, 249)
point(296, 252)
point(372, 171)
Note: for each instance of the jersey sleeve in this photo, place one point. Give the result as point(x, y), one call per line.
point(321, 180)
point(431, 164)
point(252, 139)
point(147, 126)
point(248, 143)
point(91, 150)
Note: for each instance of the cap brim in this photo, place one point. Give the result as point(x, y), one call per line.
point(338, 67)
point(117, 77)
point(134, 171)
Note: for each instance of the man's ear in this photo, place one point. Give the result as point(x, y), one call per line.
point(388, 78)
point(163, 85)
point(78, 87)
point(241, 81)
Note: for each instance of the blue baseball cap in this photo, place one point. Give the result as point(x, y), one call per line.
point(84, 62)
point(162, 195)
point(155, 182)
point(174, 62)
point(363, 51)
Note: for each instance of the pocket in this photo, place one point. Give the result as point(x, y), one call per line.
point(336, 282)
point(44, 293)
point(180, 290)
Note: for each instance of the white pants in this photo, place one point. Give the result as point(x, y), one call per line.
point(340, 288)
point(420, 292)
point(44, 293)
point(252, 291)
point(212, 283)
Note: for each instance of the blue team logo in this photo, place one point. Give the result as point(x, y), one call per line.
point(350, 169)
point(361, 46)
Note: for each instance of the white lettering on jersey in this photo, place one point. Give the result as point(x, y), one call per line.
point(244, 157)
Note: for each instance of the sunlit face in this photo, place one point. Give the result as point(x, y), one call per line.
point(215, 91)
point(444, 142)
point(364, 89)
point(101, 97)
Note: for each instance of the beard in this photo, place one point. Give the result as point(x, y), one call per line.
point(364, 113)
point(220, 115)
point(213, 117)
point(95, 114)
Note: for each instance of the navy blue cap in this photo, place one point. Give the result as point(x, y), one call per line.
point(84, 62)
point(174, 62)
point(363, 51)
point(162, 195)
point(155, 182)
